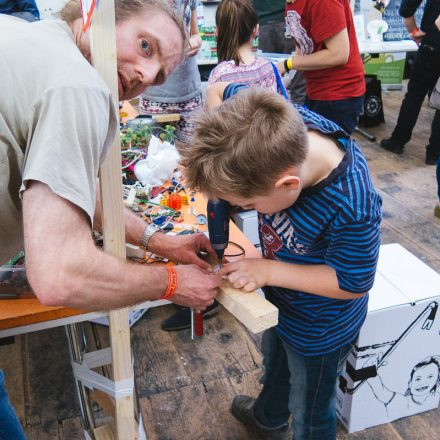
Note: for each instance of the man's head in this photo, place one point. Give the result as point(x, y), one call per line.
point(149, 42)
point(249, 151)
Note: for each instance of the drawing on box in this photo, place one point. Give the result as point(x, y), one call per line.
point(422, 391)
point(375, 361)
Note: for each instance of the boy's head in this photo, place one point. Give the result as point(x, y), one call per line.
point(249, 151)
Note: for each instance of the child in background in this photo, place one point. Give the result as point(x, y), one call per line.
point(182, 91)
point(319, 225)
point(237, 27)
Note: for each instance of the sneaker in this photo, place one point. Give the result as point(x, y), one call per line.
point(243, 409)
point(437, 210)
point(431, 156)
point(390, 145)
point(182, 318)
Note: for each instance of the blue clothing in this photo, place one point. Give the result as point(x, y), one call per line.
point(10, 427)
point(344, 112)
point(304, 386)
point(16, 6)
point(335, 222)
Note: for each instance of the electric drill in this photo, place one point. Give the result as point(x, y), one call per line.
point(218, 211)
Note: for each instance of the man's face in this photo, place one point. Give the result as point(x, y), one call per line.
point(149, 47)
point(424, 379)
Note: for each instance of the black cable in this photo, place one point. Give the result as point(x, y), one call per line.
point(239, 247)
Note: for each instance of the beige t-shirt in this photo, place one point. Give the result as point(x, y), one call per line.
point(57, 120)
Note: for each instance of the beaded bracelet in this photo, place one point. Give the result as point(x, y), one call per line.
point(172, 283)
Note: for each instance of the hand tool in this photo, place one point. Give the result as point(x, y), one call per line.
point(218, 214)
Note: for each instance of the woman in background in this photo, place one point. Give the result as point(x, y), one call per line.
point(182, 91)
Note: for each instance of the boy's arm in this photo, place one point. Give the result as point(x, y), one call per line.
point(348, 272)
point(250, 274)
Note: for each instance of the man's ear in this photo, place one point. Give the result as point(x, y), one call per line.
point(288, 181)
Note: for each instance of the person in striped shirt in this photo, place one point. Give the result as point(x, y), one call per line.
point(319, 225)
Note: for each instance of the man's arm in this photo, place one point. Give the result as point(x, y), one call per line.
point(66, 269)
point(407, 10)
point(335, 53)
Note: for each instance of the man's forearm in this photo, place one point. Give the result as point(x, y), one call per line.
point(315, 279)
point(410, 24)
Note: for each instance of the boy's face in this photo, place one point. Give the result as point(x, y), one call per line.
point(283, 194)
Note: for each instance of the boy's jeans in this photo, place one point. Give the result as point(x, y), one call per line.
point(304, 386)
point(10, 427)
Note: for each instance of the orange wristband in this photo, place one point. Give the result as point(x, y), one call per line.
point(414, 32)
point(172, 283)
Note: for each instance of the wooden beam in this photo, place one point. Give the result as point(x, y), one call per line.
point(103, 51)
point(251, 309)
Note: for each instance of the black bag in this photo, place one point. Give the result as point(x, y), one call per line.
point(373, 106)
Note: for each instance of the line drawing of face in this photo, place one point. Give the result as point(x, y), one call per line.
point(424, 380)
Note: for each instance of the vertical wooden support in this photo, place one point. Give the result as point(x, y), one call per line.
point(103, 50)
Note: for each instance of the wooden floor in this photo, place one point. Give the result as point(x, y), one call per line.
point(185, 387)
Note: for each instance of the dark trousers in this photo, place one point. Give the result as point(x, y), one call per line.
point(304, 386)
point(344, 112)
point(424, 75)
point(10, 428)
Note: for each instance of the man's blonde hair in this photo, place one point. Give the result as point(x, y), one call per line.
point(126, 9)
point(244, 145)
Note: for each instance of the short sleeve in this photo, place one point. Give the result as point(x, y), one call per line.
point(215, 75)
point(353, 252)
point(194, 4)
point(71, 130)
point(327, 18)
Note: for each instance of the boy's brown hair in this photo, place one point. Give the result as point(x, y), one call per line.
point(244, 145)
point(236, 20)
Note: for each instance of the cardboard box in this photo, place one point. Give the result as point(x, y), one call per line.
point(394, 369)
point(247, 222)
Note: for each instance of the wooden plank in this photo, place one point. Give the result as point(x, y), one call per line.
point(50, 389)
point(18, 312)
point(103, 51)
point(71, 429)
point(44, 432)
point(419, 427)
point(11, 362)
point(252, 310)
point(223, 351)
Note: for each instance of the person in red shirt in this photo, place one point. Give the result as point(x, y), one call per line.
point(328, 55)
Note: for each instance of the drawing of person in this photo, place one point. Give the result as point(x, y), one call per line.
point(422, 392)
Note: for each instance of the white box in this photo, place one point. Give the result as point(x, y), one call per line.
point(394, 369)
point(247, 222)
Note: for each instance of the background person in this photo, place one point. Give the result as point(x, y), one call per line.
point(182, 91)
point(327, 54)
point(424, 75)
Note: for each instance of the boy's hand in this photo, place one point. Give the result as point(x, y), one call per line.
point(248, 274)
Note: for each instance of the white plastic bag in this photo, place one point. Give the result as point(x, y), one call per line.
point(158, 166)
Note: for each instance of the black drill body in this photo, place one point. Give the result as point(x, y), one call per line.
point(218, 214)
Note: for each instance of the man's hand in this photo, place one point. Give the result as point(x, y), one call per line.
point(194, 44)
point(248, 274)
point(417, 36)
point(195, 287)
point(182, 248)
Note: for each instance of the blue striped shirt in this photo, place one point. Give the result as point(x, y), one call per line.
point(335, 222)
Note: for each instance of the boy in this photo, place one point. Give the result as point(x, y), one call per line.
point(319, 224)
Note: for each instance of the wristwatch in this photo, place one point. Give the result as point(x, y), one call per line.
point(150, 230)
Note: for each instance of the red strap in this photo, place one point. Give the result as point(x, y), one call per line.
point(172, 283)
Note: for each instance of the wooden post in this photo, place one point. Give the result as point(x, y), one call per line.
point(103, 51)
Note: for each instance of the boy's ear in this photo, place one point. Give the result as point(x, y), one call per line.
point(288, 181)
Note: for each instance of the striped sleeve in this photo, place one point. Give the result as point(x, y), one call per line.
point(353, 252)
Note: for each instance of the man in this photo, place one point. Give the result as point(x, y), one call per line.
point(424, 75)
point(57, 121)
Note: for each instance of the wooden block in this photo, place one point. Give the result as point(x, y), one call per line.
point(161, 119)
point(252, 310)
